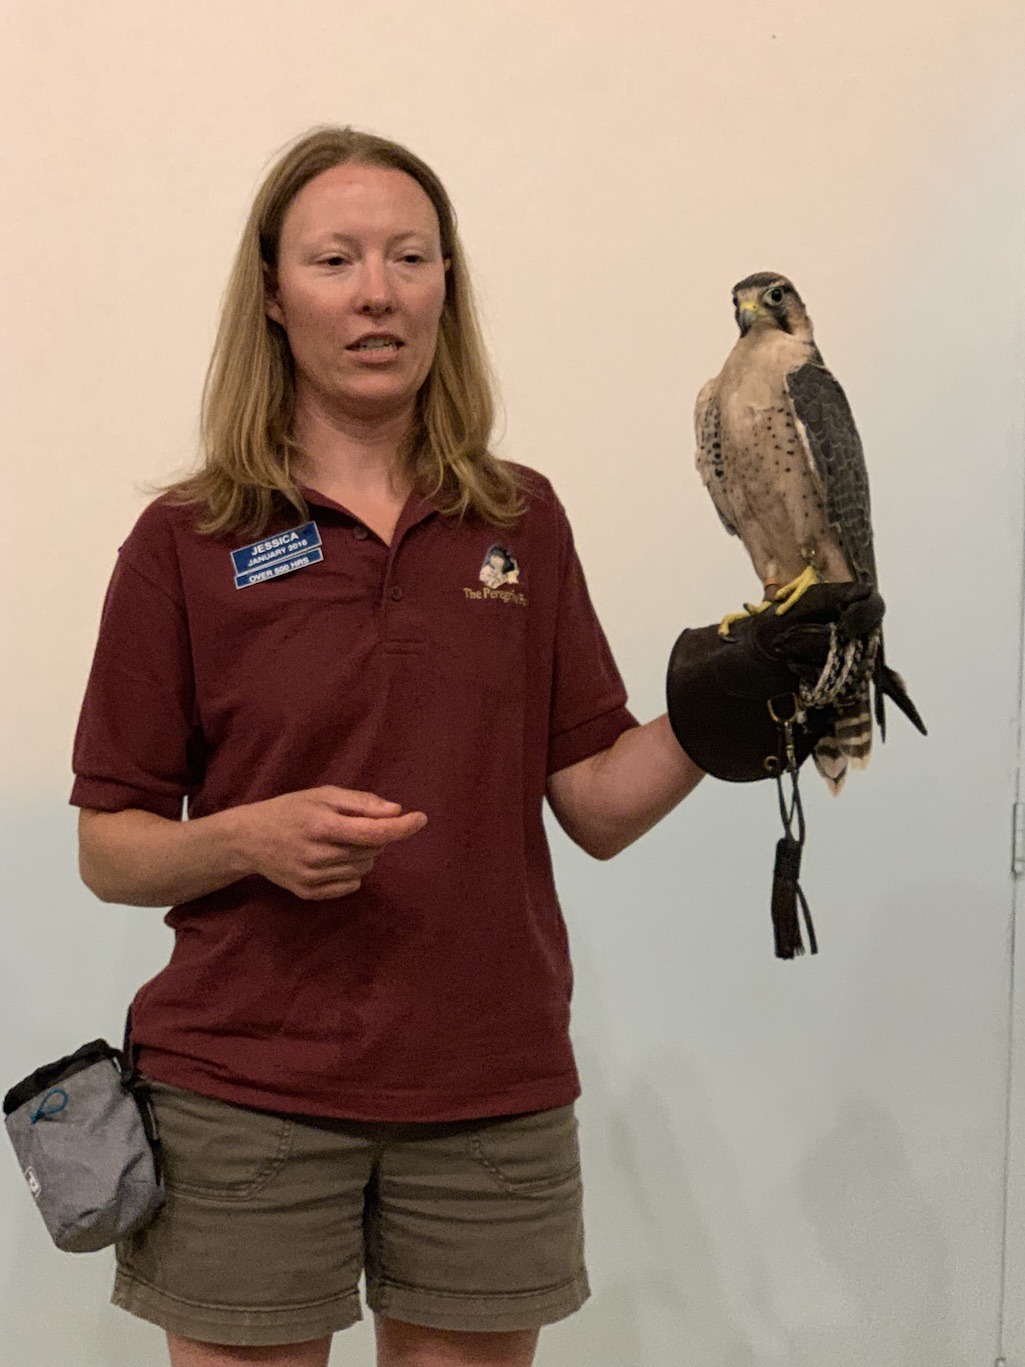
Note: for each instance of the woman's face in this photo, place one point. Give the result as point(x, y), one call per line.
point(359, 256)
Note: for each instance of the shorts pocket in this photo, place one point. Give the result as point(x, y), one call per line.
point(530, 1154)
point(216, 1150)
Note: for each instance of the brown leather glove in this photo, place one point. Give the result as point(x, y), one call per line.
point(719, 690)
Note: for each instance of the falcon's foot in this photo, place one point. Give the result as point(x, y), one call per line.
point(750, 610)
point(788, 595)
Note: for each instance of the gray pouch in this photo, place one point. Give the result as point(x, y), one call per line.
point(86, 1138)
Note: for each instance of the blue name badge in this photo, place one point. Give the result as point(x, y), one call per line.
point(277, 555)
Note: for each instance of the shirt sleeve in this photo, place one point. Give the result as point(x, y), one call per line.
point(137, 744)
point(588, 695)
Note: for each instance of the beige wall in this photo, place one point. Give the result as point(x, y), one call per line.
point(788, 1164)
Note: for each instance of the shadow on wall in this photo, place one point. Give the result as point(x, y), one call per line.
point(657, 1287)
point(661, 1293)
point(695, 1258)
point(56, 1305)
point(658, 1293)
point(878, 1229)
point(919, 1269)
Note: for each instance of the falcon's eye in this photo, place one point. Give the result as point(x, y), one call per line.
point(776, 295)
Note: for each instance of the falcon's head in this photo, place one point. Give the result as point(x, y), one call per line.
point(769, 300)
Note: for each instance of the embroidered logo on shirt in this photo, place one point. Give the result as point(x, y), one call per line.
point(497, 573)
point(277, 555)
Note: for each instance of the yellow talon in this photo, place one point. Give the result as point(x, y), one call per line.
point(750, 610)
point(788, 595)
point(728, 620)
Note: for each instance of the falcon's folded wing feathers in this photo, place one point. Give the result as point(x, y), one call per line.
point(827, 426)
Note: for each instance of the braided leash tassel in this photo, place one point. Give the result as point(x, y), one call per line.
point(787, 895)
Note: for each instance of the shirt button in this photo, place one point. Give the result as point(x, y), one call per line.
point(395, 593)
point(360, 532)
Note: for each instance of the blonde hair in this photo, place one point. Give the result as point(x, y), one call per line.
point(248, 404)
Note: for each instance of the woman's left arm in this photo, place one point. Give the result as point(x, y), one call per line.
point(607, 801)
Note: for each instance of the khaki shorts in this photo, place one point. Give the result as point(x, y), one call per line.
point(270, 1220)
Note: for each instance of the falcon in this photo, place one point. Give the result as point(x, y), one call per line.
point(781, 457)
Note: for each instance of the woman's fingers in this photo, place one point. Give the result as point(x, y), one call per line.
point(335, 872)
point(322, 892)
point(370, 831)
point(325, 858)
point(367, 819)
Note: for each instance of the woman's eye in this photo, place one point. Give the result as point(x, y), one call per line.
point(333, 261)
point(412, 257)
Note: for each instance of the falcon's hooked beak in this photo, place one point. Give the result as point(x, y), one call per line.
point(748, 312)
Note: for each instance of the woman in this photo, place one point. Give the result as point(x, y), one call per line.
point(360, 1046)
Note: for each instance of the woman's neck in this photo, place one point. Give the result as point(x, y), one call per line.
point(348, 454)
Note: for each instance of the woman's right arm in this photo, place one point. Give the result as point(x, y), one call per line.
point(144, 860)
point(318, 843)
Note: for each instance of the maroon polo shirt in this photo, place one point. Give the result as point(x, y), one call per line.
point(429, 672)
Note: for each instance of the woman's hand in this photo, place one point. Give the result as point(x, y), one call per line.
point(321, 842)
point(317, 843)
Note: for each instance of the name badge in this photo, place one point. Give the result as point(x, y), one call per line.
point(277, 555)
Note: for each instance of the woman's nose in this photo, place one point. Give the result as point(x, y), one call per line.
point(376, 293)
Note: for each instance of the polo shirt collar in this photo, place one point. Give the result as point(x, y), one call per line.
point(416, 508)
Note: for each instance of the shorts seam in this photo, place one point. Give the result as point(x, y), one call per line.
point(536, 1190)
point(383, 1283)
point(228, 1195)
point(135, 1279)
point(488, 1312)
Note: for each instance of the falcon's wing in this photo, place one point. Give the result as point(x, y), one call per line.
point(826, 424)
point(708, 430)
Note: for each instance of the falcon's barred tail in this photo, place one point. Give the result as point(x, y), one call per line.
point(849, 744)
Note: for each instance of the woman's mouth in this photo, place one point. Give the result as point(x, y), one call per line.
point(376, 346)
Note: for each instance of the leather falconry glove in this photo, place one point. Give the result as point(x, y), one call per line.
point(720, 689)
point(735, 707)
